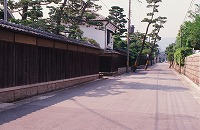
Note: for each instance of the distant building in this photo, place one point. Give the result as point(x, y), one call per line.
point(162, 57)
point(102, 36)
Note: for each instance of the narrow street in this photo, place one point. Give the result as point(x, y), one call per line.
point(156, 99)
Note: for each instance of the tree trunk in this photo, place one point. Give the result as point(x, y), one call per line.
point(24, 12)
point(144, 39)
point(171, 63)
point(143, 43)
point(149, 58)
point(59, 17)
point(150, 54)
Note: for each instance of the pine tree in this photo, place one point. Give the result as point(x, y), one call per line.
point(153, 4)
point(117, 17)
point(67, 15)
point(155, 37)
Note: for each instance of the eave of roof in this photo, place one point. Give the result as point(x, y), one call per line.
point(41, 33)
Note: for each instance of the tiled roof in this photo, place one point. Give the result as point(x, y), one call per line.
point(110, 51)
point(40, 33)
point(120, 50)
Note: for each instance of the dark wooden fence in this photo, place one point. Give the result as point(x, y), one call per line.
point(22, 64)
point(111, 62)
point(122, 59)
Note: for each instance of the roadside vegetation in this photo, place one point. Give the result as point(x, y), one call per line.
point(187, 40)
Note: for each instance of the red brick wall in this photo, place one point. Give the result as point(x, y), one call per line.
point(192, 68)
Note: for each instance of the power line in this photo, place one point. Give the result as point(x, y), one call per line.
point(189, 8)
point(128, 36)
point(139, 10)
point(104, 4)
point(137, 14)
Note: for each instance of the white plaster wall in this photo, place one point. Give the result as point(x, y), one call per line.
point(100, 36)
point(97, 35)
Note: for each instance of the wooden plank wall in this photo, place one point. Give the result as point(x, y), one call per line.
point(111, 62)
point(122, 59)
point(23, 64)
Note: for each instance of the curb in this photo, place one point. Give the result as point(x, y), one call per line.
point(194, 89)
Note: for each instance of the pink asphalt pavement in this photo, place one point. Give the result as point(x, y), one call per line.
point(155, 99)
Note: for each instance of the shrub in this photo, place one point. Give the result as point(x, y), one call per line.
point(170, 56)
point(180, 54)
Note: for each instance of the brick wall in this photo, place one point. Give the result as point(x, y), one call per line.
point(192, 68)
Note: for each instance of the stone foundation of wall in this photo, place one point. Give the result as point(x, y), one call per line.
point(123, 70)
point(21, 92)
point(192, 68)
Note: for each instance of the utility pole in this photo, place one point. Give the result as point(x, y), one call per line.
point(128, 36)
point(181, 37)
point(5, 10)
point(180, 46)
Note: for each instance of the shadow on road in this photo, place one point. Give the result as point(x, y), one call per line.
point(112, 86)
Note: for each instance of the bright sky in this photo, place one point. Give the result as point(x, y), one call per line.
point(174, 10)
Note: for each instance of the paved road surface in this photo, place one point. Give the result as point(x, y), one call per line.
point(147, 100)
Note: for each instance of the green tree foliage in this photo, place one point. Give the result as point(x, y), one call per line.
point(189, 34)
point(188, 37)
point(193, 39)
point(68, 14)
point(29, 9)
point(154, 35)
point(117, 17)
point(170, 56)
point(90, 40)
point(181, 53)
point(31, 12)
point(135, 47)
point(170, 52)
point(135, 44)
point(64, 15)
point(119, 43)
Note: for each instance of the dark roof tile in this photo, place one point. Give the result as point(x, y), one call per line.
point(37, 32)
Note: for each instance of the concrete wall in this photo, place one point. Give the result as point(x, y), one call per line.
point(192, 68)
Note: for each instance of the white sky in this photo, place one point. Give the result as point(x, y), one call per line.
point(174, 10)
